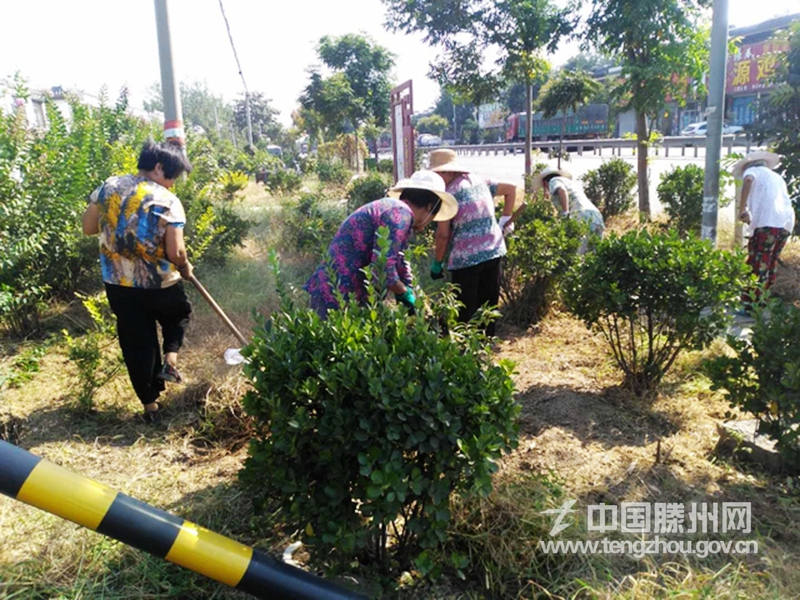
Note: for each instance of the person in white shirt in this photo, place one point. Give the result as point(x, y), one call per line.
point(570, 201)
point(767, 209)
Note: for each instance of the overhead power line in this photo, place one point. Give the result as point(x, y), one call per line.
point(244, 83)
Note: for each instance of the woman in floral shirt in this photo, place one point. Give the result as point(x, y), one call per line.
point(474, 238)
point(412, 205)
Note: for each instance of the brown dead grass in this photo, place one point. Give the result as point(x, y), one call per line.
point(605, 445)
point(787, 278)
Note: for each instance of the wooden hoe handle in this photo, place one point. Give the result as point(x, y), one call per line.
point(221, 313)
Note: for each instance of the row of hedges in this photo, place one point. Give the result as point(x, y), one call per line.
point(680, 191)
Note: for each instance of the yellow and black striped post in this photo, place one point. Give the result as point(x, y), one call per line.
point(45, 485)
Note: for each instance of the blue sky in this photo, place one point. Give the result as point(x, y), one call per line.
point(88, 43)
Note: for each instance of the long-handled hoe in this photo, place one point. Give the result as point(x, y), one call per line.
point(232, 355)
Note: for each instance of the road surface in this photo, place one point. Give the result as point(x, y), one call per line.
point(512, 167)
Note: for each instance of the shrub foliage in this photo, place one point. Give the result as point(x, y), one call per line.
point(763, 377)
point(652, 295)
point(681, 193)
point(610, 187)
point(540, 252)
point(309, 223)
point(368, 421)
point(369, 187)
point(45, 178)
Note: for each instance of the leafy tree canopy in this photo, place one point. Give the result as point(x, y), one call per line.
point(659, 43)
point(435, 124)
point(586, 61)
point(198, 103)
point(357, 88)
point(466, 31)
point(567, 90)
point(262, 117)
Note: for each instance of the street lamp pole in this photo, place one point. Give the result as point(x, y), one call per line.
point(715, 113)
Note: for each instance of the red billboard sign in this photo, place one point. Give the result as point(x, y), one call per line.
point(751, 68)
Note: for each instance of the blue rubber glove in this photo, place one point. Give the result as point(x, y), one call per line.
point(437, 270)
point(408, 299)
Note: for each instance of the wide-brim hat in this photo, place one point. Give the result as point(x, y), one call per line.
point(538, 179)
point(445, 160)
point(431, 182)
point(770, 158)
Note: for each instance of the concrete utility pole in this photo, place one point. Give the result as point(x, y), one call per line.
point(173, 114)
point(249, 117)
point(714, 116)
point(528, 135)
point(455, 135)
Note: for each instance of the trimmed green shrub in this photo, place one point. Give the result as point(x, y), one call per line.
point(610, 187)
point(364, 189)
point(309, 223)
point(284, 181)
point(213, 227)
point(763, 377)
point(232, 183)
point(386, 165)
point(540, 252)
point(681, 193)
point(332, 172)
point(369, 420)
point(653, 295)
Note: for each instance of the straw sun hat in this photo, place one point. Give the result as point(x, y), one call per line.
point(432, 182)
point(538, 180)
point(445, 160)
point(770, 158)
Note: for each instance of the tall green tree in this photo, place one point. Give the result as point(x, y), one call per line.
point(586, 61)
point(518, 32)
point(357, 89)
point(435, 124)
point(200, 105)
point(567, 91)
point(659, 43)
point(330, 100)
point(262, 117)
point(450, 108)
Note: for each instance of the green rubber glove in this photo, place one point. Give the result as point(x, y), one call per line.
point(437, 269)
point(407, 298)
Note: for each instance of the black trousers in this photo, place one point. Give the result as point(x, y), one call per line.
point(137, 311)
point(479, 285)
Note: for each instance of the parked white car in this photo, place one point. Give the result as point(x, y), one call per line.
point(427, 139)
point(701, 129)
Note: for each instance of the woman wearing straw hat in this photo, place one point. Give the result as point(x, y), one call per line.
point(570, 201)
point(473, 237)
point(767, 209)
point(411, 205)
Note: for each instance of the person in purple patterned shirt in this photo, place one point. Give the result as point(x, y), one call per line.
point(412, 204)
point(474, 238)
